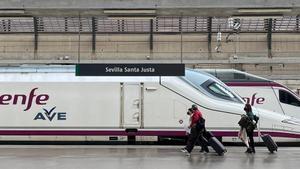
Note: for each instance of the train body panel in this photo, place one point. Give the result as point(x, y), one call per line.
point(262, 97)
point(63, 105)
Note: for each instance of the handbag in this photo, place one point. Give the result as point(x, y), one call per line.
point(244, 121)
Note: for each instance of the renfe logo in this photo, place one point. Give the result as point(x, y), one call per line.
point(41, 99)
point(253, 100)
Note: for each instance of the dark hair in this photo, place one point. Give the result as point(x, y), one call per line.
point(194, 107)
point(248, 108)
point(190, 110)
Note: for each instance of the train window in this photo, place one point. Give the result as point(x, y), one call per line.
point(235, 76)
point(288, 98)
point(219, 91)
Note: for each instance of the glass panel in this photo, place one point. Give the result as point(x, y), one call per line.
point(235, 76)
point(195, 78)
point(288, 98)
point(220, 90)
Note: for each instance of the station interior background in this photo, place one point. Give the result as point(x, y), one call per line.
point(261, 37)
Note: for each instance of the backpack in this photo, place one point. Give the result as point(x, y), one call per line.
point(201, 124)
point(252, 126)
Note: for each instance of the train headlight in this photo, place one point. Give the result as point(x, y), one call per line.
point(293, 121)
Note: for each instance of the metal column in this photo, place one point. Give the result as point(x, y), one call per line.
point(297, 23)
point(94, 35)
point(209, 30)
point(151, 34)
point(35, 26)
point(269, 37)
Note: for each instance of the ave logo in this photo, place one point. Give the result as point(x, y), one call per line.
point(51, 115)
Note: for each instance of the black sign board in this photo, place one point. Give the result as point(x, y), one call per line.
point(130, 69)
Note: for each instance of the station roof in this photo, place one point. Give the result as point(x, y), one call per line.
point(160, 7)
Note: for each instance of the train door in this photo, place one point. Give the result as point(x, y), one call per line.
point(132, 105)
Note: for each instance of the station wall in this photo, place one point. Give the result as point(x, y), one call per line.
point(137, 46)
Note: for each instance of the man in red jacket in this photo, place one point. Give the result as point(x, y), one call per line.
point(196, 132)
point(202, 131)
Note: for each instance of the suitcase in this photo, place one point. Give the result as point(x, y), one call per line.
point(217, 146)
point(269, 142)
point(208, 134)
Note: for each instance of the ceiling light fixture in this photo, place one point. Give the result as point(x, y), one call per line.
point(264, 10)
point(9, 11)
point(129, 11)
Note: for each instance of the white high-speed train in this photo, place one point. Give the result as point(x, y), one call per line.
point(51, 103)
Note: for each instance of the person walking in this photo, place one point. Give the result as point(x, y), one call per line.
point(195, 131)
point(250, 127)
point(203, 143)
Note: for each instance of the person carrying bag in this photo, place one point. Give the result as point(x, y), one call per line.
point(248, 126)
point(196, 130)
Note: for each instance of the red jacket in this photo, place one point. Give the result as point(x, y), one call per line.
point(196, 117)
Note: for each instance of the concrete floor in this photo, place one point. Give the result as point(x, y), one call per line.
point(141, 157)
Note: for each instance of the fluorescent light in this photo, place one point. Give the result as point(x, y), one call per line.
point(129, 11)
point(257, 17)
point(11, 11)
point(131, 17)
point(265, 10)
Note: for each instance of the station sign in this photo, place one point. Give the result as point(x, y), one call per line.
point(130, 69)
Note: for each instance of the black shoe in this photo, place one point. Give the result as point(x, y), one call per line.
point(204, 150)
point(249, 150)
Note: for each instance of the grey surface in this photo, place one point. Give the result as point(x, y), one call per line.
point(163, 7)
point(141, 157)
point(145, 3)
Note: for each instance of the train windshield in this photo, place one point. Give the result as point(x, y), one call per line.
point(220, 90)
point(211, 86)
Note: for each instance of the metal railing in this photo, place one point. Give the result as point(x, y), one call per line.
point(175, 24)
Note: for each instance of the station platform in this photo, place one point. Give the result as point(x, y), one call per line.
point(141, 157)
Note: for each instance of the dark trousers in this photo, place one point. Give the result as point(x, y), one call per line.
point(203, 139)
point(196, 135)
point(251, 140)
point(193, 137)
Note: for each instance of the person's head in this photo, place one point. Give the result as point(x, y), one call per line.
point(248, 108)
point(194, 107)
point(190, 111)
